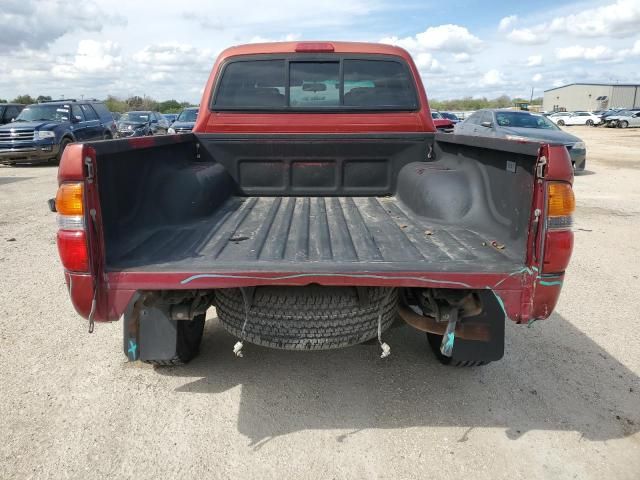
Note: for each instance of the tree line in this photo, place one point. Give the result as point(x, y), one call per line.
point(117, 104)
point(470, 103)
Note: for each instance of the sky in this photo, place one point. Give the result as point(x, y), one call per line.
point(165, 49)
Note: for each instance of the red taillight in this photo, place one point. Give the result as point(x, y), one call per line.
point(314, 47)
point(72, 247)
point(557, 251)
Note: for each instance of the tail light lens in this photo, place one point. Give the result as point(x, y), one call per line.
point(69, 199)
point(561, 204)
point(72, 238)
point(72, 247)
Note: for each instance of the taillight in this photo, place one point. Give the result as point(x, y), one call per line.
point(72, 238)
point(561, 204)
point(72, 247)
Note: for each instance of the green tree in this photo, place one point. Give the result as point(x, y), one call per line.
point(43, 98)
point(3, 100)
point(169, 106)
point(25, 99)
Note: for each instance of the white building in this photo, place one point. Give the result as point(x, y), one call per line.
point(592, 96)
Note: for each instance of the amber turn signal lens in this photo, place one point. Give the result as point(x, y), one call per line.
point(69, 199)
point(560, 199)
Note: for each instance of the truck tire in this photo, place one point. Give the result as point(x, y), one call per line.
point(307, 318)
point(188, 339)
point(63, 144)
point(435, 340)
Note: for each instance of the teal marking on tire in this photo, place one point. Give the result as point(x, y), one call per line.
point(133, 347)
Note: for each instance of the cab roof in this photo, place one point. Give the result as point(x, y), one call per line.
point(290, 47)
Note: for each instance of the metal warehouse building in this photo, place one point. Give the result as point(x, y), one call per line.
point(592, 96)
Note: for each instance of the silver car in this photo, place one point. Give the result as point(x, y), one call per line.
point(624, 119)
point(522, 125)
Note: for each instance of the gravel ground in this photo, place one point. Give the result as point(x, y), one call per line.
point(563, 403)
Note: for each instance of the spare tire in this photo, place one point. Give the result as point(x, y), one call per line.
point(307, 318)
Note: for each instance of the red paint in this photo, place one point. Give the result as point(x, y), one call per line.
point(71, 164)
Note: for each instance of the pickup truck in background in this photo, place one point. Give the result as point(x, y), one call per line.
point(314, 205)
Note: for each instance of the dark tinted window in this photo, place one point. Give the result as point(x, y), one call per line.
point(377, 83)
point(368, 84)
point(12, 112)
point(76, 111)
point(314, 84)
point(102, 111)
point(253, 84)
point(89, 114)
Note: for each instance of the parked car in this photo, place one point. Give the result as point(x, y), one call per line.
point(170, 117)
point(9, 112)
point(141, 124)
point(450, 116)
point(624, 119)
point(521, 125)
point(116, 116)
point(313, 205)
point(42, 131)
point(576, 118)
point(441, 123)
point(185, 121)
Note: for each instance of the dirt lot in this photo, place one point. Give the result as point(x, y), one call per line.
point(563, 403)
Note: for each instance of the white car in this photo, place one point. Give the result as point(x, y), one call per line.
point(576, 118)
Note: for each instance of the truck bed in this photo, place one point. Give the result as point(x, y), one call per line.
point(313, 233)
point(332, 203)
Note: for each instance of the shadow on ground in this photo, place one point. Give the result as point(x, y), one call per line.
point(553, 377)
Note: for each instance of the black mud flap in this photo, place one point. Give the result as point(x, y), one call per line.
point(149, 333)
point(492, 315)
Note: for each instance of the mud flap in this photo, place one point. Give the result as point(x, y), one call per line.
point(492, 315)
point(149, 333)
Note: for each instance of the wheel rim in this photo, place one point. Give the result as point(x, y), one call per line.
point(590, 123)
point(624, 124)
point(561, 123)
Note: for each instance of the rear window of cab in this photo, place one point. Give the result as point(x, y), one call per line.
point(317, 85)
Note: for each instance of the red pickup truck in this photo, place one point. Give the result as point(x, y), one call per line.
point(314, 206)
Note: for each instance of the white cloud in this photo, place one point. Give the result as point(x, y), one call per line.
point(169, 57)
point(426, 62)
point(578, 52)
point(537, 77)
point(38, 23)
point(507, 22)
point(92, 57)
point(528, 36)
point(462, 57)
point(534, 61)
point(451, 38)
point(619, 19)
point(492, 78)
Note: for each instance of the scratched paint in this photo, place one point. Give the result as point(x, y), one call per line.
point(303, 275)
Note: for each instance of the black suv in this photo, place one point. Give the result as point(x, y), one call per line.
point(9, 111)
point(41, 131)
